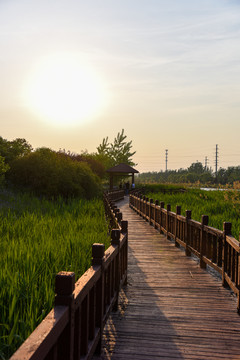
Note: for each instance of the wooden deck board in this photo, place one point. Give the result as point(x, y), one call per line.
point(170, 309)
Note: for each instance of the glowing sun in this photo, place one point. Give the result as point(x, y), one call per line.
point(63, 91)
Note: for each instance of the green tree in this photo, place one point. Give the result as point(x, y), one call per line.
point(46, 172)
point(120, 151)
point(93, 160)
point(11, 150)
point(103, 148)
point(196, 168)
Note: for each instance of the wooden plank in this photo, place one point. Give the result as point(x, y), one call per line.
point(171, 308)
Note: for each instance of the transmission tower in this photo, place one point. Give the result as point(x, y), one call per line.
point(166, 157)
point(206, 162)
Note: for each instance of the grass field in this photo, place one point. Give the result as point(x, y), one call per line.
point(39, 238)
point(220, 206)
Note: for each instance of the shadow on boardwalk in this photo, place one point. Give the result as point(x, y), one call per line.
point(170, 309)
point(139, 330)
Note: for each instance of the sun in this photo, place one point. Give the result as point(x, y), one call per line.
point(64, 91)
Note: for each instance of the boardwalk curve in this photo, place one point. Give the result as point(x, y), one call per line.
point(171, 308)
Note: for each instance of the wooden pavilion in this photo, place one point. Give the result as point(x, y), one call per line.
point(121, 170)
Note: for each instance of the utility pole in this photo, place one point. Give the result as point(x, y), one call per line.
point(216, 161)
point(166, 158)
point(206, 163)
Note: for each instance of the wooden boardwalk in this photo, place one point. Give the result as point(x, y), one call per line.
point(171, 308)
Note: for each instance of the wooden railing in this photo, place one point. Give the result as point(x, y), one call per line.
point(216, 248)
point(114, 195)
point(73, 329)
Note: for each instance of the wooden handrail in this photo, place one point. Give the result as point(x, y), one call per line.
point(215, 248)
point(73, 329)
point(114, 195)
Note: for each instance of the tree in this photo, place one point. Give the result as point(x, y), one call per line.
point(117, 152)
point(11, 150)
point(93, 160)
point(103, 148)
point(46, 172)
point(196, 168)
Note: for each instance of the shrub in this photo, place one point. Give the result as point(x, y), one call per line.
point(47, 173)
point(3, 168)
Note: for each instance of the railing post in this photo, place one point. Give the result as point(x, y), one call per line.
point(64, 287)
point(160, 217)
point(116, 211)
point(98, 251)
point(124, 225)
point(155, 212)
point(187, 233)
point(227, 227)
point(238, 282)
point(150, 211)
point(115, 241)
point(178, 212)
point(119, 217)
point(167, 219)
point(146, 205)
point(130, 200)
point(204, 222)
point(137, 203)
point(143, 206)
point(124, 231)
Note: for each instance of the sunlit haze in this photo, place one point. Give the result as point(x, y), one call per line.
point(64, 92)
point(167, 72)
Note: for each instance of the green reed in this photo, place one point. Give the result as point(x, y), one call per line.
point(39, 238)
point(220, 206)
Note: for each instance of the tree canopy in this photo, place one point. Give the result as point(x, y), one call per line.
point(46, 172)
point(10, 150)
point(119, 151)
point(196, 172)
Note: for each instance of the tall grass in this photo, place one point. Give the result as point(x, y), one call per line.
point(39, 238)
point(220, 206)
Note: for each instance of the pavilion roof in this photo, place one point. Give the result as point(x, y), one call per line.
point(122, 168)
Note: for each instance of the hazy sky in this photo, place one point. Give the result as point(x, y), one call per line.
point(168, 72)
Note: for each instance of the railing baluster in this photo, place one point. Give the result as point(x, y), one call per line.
point(97, 259)
point(187, 232)
point(155, 213)
point(203, 237)
point(64, 287)
point(227, 226)
point(214, 249)
point(84, 325)
point(150, 212)
point(238, 277)
point(219, 250)
point(124, 231)
point(178, 212)
point(92, 312)
point(115, 241)
point(161, 216)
